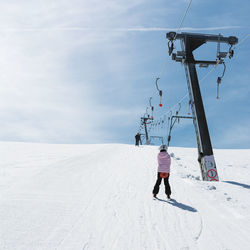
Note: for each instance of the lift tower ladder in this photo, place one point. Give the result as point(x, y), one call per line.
point(190, 42)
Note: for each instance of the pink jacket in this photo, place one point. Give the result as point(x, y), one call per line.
point(164, 162)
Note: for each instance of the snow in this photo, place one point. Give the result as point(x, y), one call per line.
point(100, 197)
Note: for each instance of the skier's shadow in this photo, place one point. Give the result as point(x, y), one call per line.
point(180, 205)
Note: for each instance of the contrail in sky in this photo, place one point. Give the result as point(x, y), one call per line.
point(183, 28)
point(134, 29)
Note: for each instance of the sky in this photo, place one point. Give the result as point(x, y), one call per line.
point(83, 71)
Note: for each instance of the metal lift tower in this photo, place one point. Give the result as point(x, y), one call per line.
point(189, 43)
point(144, 122)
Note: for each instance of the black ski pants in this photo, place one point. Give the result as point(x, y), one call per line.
point(158, 183)
point(138, 142)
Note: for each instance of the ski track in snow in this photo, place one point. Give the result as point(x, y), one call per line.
point(95, 197)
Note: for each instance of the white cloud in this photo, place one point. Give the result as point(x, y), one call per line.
point(111, 30)
point(66, 66)
point(41, 96)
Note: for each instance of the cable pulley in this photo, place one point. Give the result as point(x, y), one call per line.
point(220, 55)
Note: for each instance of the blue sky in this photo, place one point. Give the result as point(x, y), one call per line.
point(83, 71)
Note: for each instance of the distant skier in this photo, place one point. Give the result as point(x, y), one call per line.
point(164, 162)
point(138, 139)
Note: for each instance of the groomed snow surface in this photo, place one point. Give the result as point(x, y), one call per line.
point(100, 197)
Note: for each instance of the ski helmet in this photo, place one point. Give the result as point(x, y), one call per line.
point(163, 147)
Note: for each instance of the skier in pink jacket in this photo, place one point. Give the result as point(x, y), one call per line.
point(164, 162)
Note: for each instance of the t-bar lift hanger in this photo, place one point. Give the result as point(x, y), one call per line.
point(160, 91)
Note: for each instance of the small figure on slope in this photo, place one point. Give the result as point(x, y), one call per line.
point(164, 162)
point(138, 139)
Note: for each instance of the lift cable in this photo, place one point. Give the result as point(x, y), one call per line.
point(169, 112)
point(171, 43)
point(229, 54)
point(242, 41)
point(182, 20)
point(187, 94)
point(219, 61)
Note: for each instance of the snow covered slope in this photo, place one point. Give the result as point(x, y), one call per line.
point(99, 197)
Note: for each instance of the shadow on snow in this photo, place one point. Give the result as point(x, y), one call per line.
point(180, 205)
point(238, 184)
